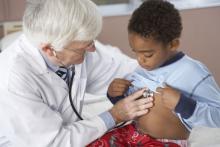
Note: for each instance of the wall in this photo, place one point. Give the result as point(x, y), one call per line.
point(2, 10)
point(11, 10)
point(200, 37)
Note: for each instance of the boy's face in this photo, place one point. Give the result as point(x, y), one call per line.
point(150, 53)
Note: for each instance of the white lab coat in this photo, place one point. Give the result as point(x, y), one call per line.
point(34, 103)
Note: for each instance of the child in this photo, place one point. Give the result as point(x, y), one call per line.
point(154, 31)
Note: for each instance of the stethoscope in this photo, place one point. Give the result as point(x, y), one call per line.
point(147, 93)
point(70, 88)
point(71, 83)
point(70, 97)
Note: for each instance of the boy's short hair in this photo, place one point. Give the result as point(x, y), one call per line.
point(158, 19)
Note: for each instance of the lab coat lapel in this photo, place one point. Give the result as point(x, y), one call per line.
point(39, 64)
point(80, 78)
point(34, 55)
point(79, 85)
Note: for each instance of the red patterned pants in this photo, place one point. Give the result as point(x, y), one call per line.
point(128, 136)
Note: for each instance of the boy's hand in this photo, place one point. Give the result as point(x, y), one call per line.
point(169, 96)
point(118, 87)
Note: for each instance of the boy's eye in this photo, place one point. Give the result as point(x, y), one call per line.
point(148, 55)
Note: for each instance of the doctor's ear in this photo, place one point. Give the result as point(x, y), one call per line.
point(47, 49)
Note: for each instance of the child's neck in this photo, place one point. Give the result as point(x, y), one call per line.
point(175, 57)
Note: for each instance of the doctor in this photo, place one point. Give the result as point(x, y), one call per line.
point(46, 72)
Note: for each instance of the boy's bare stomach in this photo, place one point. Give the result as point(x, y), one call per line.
point(161, 122)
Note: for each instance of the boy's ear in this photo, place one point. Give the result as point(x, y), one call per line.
point(47, 49)
point(174, 44)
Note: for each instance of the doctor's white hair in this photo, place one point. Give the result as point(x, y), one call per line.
point(59, 22)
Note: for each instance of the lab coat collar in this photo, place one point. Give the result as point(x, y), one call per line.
point(40, 66)
point(34, 55)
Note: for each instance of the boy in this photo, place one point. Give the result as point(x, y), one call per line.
point(154, 31)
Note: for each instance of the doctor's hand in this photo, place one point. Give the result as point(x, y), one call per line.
point(131, 107)
point(169, 96)
point(118, 87)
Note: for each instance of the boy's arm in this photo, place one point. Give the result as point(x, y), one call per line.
point(114, 100)
point(117, 89)
point(201, 109)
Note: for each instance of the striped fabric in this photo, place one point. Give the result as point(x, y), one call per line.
point(66, 74)
point(62, 72)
